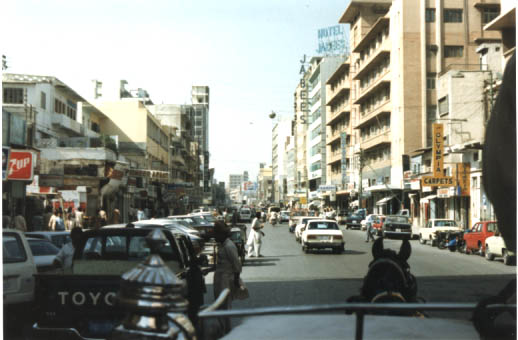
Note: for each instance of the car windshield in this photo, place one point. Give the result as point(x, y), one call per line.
point(42, 248)
point(396, 219)
point(445, 224)
point(323, 226)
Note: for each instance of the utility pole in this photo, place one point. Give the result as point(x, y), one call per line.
point(360, 191)
point(4, 62)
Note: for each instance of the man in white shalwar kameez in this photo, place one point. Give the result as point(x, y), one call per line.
point(255, 237)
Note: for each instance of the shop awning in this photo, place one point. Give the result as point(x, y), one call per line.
point(384, 200)
point(427, 199)
point(342, 192)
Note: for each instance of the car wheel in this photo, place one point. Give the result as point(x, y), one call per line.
point(507, 257)
point(305, 249)
point(489, 256)
point(421, 239)
point(465, 249)
point(433, 242)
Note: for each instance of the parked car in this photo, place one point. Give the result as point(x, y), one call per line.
point(102, 256)
point(396, 226)
point(44, 253)
point(19, 268)
point(428, 233)
point(205, 227)
point(284, 216)
point(295, 219)
point(475, 238)
point(58, 238)
point(495, 247)
point(322, 234)
point(300, 227)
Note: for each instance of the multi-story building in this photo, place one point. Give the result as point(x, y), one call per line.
point(340, 134)
point(397, 57)
point(77, 160)
point(321, 68)
point(185, 163)
point(264, 184)
point(234, 181)
point(200, 102)
point(280, 133)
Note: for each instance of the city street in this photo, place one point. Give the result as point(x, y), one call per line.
point(287, 276)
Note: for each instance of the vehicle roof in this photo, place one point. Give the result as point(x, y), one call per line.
point(47, 232)
point(438, 219)
point(158, 221)
point(323, 220)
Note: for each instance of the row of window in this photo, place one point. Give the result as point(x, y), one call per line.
point(375, 73)
point(344, 78)
point(316, 166)
point(315, 132)
point(377, 155)
point(454, 15)
point(377, 127)
point(342, 102)
point(374, 44)
point(375, 100)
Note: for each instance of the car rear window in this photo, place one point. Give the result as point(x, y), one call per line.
point(42, 248)
point(397, 219)
point(323, 225)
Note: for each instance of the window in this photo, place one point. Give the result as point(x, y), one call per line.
point(13, 96)
point(431, 50)
point(316, 166)
point(431, 112)
point(430, 81)
point(453, 15)
point(43, 100)
point(453, 51)
point(430, 15)
point(316, 132)
point(59, 106)
point(489, 13)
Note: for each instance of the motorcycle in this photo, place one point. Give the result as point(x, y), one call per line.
point(273, 220)
point(452, 240)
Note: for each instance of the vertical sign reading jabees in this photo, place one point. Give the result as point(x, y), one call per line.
point(438, 150)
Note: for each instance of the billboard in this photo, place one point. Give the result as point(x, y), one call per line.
point(331, 41)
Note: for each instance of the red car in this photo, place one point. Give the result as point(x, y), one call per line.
point(474, 239)
point(378, 223)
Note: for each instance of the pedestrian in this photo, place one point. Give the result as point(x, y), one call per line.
point(255, 236)
point(64, 258)
point(70, 223)
point(46, 217)
point(79, 217)
point(19, 221)
point(234, 218)
point(116, 216)
point(228, 269)
point(141, 215)
point(370, 232)
point(59, 223)
point(102, 219)
point(6, 218)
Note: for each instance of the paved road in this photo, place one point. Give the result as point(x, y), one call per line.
point(287, 276)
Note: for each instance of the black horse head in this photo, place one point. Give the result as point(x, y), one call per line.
point(388, 278)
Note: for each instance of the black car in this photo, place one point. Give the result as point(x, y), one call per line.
point(58, 238)
point(396, 226)
point(353, 221)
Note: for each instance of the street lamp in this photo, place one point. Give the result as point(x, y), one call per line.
point(272, 117)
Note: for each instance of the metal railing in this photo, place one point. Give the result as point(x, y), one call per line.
point(360, 309)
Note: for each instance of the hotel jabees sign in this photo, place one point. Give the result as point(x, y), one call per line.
point(438, 179)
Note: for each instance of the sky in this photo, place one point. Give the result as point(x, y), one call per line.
point(247, 52)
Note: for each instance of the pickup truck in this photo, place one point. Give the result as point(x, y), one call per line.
point(80, 303)
point(475, 238)
point(354, 219)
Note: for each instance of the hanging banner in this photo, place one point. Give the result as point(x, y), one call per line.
point(438, 150)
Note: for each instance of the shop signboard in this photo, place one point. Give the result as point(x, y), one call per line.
point(5, 161)
point(463, 172)
point(443, 192)
point(21, 165)
point(438, 150)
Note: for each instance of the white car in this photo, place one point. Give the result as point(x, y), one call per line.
point(245, 214)
point(323, 234)
point(495, 246)
point(300, 227)
point(19, 268)
point(428, 233)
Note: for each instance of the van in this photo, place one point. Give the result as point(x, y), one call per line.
point(245, 214)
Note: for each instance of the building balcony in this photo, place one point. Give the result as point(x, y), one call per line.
point(378, 26)
point(385, 106)
point(334, 157)
point(332, 138)
point(339, 112)
point(382, 138)
point(383, 51)
point(64, 122)
point(382, 80)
